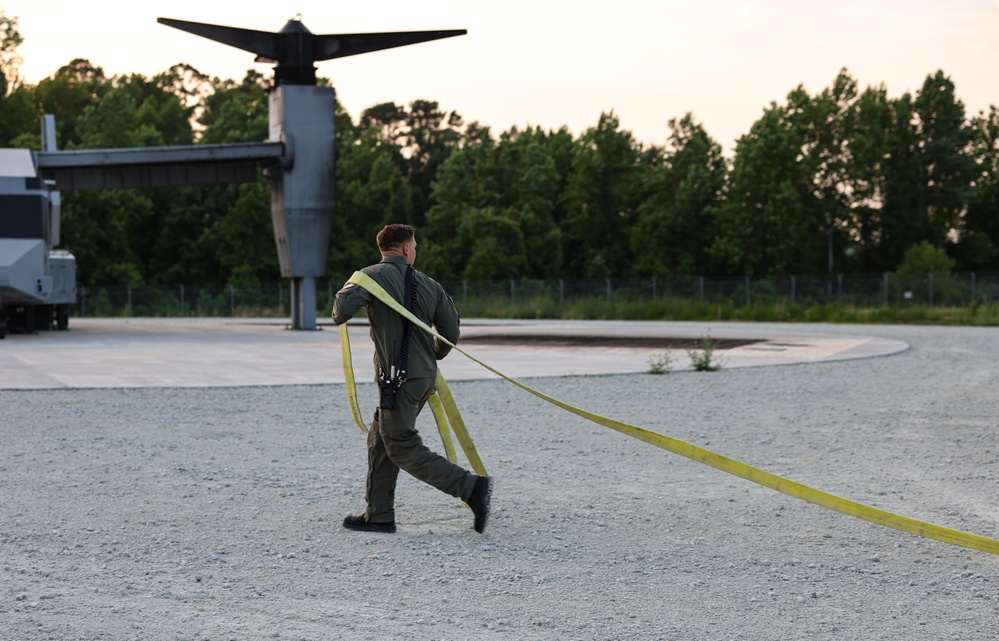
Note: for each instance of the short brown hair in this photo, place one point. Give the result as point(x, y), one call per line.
point(391, 236)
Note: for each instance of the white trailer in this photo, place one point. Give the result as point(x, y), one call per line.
point(37, 281)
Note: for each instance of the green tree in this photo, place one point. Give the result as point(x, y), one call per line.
point(244, 238)
point(151, 232)
point(136, 112)
point(235, 112)
point(676, 220)
point(67, 94)
point(99, 226)
point(10, 60)
point(979, 235)
point(508, 189)
point(922, 259)
point(496, 243)
point(372, 191)
point(871, 119)
point(387, 117)
point(770, 222)
point(900, 222)
point(601, 200)
point(219, 233)
point(535, 190)
point(827, 155)
point(462, 185)
point(422, 137)
point(947, 170)
point(18, 115)
point(432, 135)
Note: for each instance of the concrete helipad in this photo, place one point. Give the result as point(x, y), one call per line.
point(102, 353)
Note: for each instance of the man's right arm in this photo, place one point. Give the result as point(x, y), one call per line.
point(447, 323)
point(347, 301)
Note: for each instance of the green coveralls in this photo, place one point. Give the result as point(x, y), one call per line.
point(393, 442)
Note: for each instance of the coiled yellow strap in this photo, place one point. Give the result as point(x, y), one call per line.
point(701, 455)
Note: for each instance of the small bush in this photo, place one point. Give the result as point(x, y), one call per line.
point(660, 363)
point(705, 360)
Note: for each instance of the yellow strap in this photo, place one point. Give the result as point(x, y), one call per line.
point(458, 425)
point(348, 374)
point(441, 417)
point(723, 463)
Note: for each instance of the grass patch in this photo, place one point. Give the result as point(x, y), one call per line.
point(599, 308)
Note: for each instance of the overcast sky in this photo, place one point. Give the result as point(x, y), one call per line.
point(555, 63)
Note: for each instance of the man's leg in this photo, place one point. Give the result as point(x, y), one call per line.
point(382, 476)
point(405, 449)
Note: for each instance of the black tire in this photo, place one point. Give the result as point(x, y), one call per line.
point(29, 319)
point(43, 318)
point(62, 317)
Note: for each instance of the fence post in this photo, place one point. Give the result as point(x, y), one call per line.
point(232, 301)
point(747, 291)
point(653, 288)
point(839, 286)
point(128, 304)
point(281, 297)
point(464, 291)
point(181, 300)
point(513, 295)
point(793, 283)
point(83, 301)
point(561, 292)
point(931, 289)
point(701, 278)
point(973, 292)
point(608, 291)
point(886, 290)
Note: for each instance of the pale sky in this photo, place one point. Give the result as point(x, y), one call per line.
point(554, 63)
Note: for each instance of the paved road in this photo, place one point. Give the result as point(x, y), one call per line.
point(129, 353)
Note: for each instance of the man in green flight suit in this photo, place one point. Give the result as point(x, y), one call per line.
point(393, 442)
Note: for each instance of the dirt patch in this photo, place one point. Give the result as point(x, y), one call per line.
point(638, 342)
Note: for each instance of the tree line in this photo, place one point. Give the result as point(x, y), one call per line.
point(843, 181)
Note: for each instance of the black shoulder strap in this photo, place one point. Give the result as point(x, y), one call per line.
point(410, 295)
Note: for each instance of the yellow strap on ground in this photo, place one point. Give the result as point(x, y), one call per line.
point(723, 463)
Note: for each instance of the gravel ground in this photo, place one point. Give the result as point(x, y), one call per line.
point(215, 513)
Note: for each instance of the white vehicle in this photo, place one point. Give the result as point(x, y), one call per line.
point(37, 281)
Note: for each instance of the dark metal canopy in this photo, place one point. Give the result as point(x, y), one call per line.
point(295, 49)
point(157, 166)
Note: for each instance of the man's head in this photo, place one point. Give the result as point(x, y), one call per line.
point(398, 240)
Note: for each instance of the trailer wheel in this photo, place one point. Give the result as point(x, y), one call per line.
point(44, 317)
point(62, 317)
point(29, 319)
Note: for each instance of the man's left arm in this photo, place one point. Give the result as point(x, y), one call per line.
point(447, 323)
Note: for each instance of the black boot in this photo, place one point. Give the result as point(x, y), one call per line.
point(478, 500)
point(361, 524)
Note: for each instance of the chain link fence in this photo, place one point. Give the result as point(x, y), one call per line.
point(887, 290)
point(272, 300)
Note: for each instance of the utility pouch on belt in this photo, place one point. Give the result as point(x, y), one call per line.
point(389, 385)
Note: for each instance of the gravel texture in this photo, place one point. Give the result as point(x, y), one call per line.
point(215, 513)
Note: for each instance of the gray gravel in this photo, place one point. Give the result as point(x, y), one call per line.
point(214, 513)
